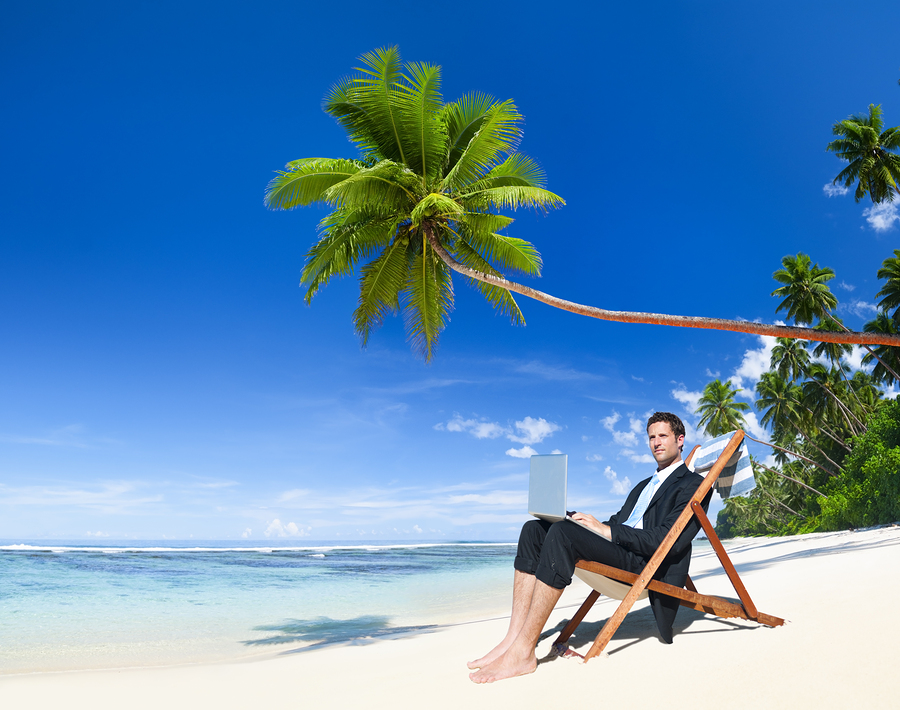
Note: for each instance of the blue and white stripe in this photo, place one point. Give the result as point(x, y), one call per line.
point(736, 478)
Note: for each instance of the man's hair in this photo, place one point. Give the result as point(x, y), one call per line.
point(672, 420)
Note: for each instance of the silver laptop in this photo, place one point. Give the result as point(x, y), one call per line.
point(547, 489)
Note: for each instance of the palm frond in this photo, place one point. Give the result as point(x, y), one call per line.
point(463, 118)
point(423, 136)
point(434, 205)
point(381, 281)
point(512, 197)
point(500, 132)
point(307, 181)
point(509, 252)
point(501, 299)
point(349, 236)
point(365, 104)
point(484, 222)
point(387, 184)
point(428, 299)
point(516, 170)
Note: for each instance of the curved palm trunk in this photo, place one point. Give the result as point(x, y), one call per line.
point(824, 429)
point(818, 448)
point(795, 455)
point(872, 353)
point(778, 502)
point(736, 326)
point(784, 475)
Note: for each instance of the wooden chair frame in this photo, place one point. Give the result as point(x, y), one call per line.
point(689, 596)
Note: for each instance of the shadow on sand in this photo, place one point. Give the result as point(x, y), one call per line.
point(640, 626)
point(322, 631)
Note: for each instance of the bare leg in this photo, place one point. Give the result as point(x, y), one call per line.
point(523, 588)
point(519, 658)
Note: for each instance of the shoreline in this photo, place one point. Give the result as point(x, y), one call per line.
point(835, 649)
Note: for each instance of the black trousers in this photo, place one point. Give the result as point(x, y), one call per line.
point(549, 551)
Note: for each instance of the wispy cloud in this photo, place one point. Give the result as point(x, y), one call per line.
point(844, 285)
point(881, 217)
point(620, 486)
point(479, 428)
point(554, 372)
point(105, 497)
point(832, 190)
point(527, 431)
point(71, 435)
point(859, 308)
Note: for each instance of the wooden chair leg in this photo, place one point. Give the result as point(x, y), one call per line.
point(578, 618)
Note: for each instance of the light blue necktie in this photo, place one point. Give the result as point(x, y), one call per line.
point(643, 502)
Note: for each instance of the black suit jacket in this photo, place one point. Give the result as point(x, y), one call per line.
point(665, 507)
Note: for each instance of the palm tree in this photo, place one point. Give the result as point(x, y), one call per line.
point(424, 198)
point(429, 173)
point(806, 295)
point(883, 323)
point(790, 359)
point(890, 292)
point(779, 402)
point(719, 413)
point(869, 150)
point(805, 292)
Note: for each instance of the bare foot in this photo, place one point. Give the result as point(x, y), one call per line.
point(506, 666)
point(490, 656)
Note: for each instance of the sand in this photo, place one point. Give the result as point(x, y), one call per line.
point(838, 648)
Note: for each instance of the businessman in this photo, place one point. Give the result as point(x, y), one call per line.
point(547, 553)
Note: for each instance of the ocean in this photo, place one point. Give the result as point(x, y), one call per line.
point(67, 606)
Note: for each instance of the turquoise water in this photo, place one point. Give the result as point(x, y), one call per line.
point(69, 606)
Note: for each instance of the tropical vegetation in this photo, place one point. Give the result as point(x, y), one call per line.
point(833, 436)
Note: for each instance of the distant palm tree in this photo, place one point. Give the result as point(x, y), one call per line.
point(883, 323)
point(425, 197)
point(806, 295)
point(790, 359)
point(719, 413)
point(890, 292)
point(874, 165)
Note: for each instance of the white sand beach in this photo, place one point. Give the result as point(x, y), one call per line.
point(837, 649)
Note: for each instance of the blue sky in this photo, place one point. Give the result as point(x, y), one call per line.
point(160, 375)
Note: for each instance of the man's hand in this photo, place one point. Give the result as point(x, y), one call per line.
point(591, 522)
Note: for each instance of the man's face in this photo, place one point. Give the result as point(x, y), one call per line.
point(664, 445)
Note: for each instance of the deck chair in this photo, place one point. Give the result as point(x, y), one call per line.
point(722, 453)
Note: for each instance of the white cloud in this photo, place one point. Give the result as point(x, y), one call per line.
point(620, 486)
point(881, 217)
point(480, 429)
point(97, 534)
point(690, 400)
point(594, 457)
point(533, 431)
point(754, 364)
point(417, 529)
point(247, 533)
point(277, 529)
point(832, 190)
point(754, 428)
point(523, 453)
point(636, 457)
point(854, 359)
point(858, 308)
point(609, 423)
point(844, 285)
